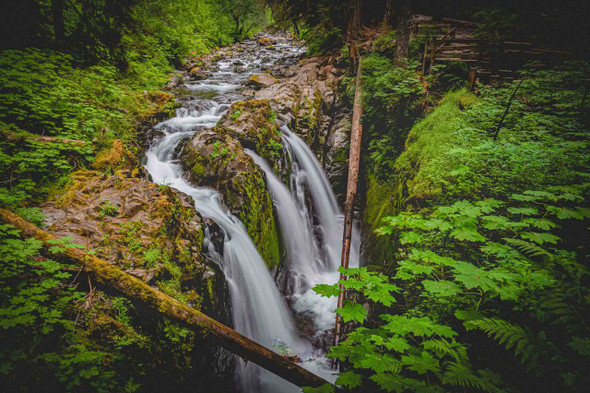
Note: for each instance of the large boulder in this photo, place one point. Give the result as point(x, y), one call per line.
point(215, 158)
point(308, 100)
point(262, 80)
point(149, 230)
point(253, 123)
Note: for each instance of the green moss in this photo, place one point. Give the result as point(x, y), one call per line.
point(429, 140)
point(382, 201)
point(253, 124)
point(256, 214)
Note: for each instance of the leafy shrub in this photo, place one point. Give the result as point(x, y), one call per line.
point(469, 272)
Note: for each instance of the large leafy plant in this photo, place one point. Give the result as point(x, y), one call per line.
point(473, 279)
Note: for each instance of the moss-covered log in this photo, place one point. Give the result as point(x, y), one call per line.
point(109, 275)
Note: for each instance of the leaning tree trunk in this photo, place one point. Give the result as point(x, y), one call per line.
point(354, 159)
point(402, 36)
point(111, 276)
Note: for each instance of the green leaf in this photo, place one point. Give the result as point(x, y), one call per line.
point(540, 237)
point(410, 238)
point(466, 230)
point(380, 362)
point(581, 345)
point(352, 312)
point(327, 290)
point(351, 283)
point(441, 288)
point(397, 344)
point(525, 211)
point(564, 213)
point(421, 364)
point(349, 379)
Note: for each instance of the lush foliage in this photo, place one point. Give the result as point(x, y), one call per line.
point(471, 275)
point(60, 332)
point(79, 79)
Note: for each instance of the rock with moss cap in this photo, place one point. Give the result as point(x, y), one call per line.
point(215, 158)
point(262, 80)
point(149, 230)
point(253, 124)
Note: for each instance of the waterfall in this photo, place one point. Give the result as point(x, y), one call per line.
point(258, 309)
point(303, 256)
point(259, 312)
point(309, 264)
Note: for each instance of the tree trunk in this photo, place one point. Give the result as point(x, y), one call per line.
point(388, 13)
point(354, 159)
point(354, 21)
point(353, 27)
point(110, 275)
point(57, 9)
point(402, 37)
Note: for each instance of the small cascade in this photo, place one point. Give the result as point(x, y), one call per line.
point(311, 260)
point(303, 256)
point(258, 309)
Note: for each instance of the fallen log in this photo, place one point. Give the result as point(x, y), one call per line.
point(15, 136)
point(110, 275)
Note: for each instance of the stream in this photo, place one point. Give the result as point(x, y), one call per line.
point(294, 318)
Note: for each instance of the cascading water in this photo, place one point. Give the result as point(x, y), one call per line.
point(308, 174)
point(259, 311)
point(303, 255)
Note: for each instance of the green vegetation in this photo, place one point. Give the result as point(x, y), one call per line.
point(79, 80)
point(101, 86)
point(475, 217)
point(478, 275)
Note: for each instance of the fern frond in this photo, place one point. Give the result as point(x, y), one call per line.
point(444, 347)
point(458, 374)
point(506, 334)
point(527, 248)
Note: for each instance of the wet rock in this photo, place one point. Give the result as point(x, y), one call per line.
point(198, 74)
point(262, 80)
point(253, 123)
point(266, 41)
point(131, 222)
point(215, 158)
point(175, 81)
point(308, 100)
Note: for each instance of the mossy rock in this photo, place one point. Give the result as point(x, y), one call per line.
point(214, 158)
point(149, 230)
point(262, 80)
point(253, 123)
point(422, 163)
point(117, 157)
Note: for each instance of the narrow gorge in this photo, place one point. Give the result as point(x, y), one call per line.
point(271, 196)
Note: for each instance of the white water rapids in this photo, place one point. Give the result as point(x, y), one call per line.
point(259, 310)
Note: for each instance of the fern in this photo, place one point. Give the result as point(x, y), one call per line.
point(458, 374)
point(506, 334)
point(444, 347)
point(527, 248)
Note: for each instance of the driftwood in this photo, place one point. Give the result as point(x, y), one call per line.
point(354, 159)
point(111, 276)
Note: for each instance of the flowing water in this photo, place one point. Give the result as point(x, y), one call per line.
point(259, 310)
